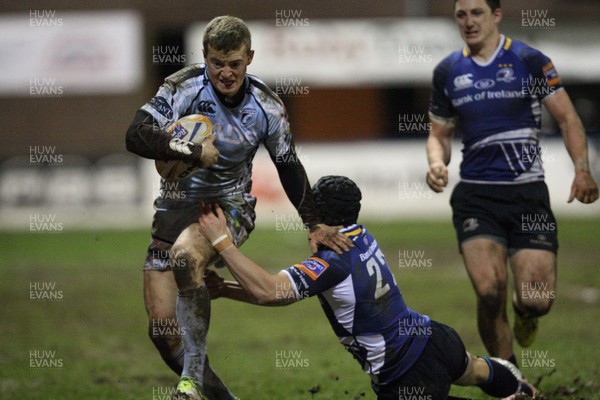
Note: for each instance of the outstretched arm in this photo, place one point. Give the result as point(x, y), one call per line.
point(266, 289)
point(219, 287)
point(559, 105)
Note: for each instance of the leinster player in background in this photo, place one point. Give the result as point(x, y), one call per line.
point(245, 113)
point(494, 89)
point(402, 350)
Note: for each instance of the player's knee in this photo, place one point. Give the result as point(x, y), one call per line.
point(537, 307)
point(186, 255)
point(188, 267)
point(535, 298)
point(181, 258)
point(492, 297)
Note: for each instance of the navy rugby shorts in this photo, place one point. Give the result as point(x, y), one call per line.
point(517, 216)
point(443, 360)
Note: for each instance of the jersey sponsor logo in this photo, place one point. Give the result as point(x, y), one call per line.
point(486, 83)
point(248, 116)
point(313, 267)
point(463, 82)
point(206, 107)
point(551, 74)
point(163, 107)
point(505, 75)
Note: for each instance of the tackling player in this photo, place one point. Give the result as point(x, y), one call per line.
point(244, 113)
point(494, 89)
point(403, 351)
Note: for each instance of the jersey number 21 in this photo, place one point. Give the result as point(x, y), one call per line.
point(374, 264)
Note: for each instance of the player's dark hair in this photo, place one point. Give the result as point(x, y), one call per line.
point(493, 4)
point(226, 33)
point(338, 200)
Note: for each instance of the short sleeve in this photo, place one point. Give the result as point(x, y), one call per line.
point(440, 106)
point(175, 96)
point(316, 275)
point(544, 80)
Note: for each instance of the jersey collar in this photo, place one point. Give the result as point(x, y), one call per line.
point(504, 44)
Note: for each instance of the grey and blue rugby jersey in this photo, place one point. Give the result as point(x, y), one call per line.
point(364, 306)
point(498, 107)
point(259, 119)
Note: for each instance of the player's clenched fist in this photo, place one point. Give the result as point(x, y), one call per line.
point(437, 177)
point(584, 188)
point(209, 154)
point(181, 146)
point(214, 283)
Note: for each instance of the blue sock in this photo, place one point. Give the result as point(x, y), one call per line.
point(501, 382)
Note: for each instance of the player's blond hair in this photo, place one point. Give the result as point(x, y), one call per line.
point(226, 33)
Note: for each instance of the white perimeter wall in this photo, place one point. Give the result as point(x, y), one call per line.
point(117, 191)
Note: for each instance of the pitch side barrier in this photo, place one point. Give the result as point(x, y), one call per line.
point(49, 192)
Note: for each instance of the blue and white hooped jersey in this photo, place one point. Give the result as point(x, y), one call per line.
point(365, 308)
point(260, 118)
point(498, 108)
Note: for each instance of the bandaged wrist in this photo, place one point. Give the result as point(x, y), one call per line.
point(219, 239)
point(221, 243)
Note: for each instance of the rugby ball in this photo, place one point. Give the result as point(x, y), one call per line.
point(193, 128)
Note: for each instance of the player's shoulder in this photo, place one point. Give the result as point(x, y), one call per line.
point(452, 59)
point(263, 93)
point(522, 50)
point(191, 72)
point(353, 231)
point(362, 239)
point(443, 68)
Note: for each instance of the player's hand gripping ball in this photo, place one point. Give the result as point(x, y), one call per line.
point(185, 133)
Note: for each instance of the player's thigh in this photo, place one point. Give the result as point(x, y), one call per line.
point(442, 361)
point(534, 273)
point(191, 254)
point(160, 294)
point(485, 261)
point(532, 222)
point(191, 243)
point(478, 219)
point(239, 213)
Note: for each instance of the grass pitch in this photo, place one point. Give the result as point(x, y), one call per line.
point(73, 325)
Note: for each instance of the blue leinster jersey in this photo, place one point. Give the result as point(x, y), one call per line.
point(498, 107)
point(260, 118)
point(360, 297)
